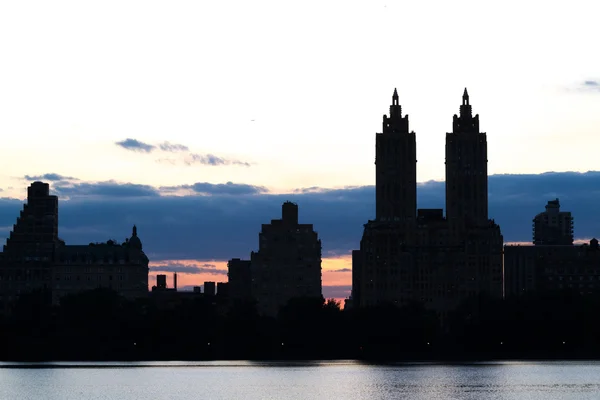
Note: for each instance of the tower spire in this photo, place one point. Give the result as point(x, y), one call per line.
point(395, 97)
point(465, 108)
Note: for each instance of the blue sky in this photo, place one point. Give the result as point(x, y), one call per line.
point(176, 99)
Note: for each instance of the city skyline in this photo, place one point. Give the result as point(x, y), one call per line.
point(336, 260)
point(336, 265)
point(143, 103)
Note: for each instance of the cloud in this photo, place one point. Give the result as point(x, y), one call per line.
point(171, 161)
point(49, 177)
point(188, 288)
point(342, 270)
point(172, 147)
point(211, 159)
point(222, 221)
point(188, 268)
point(189, 160)
point(104, 189)
point(592, 85)
point(135, 145)
point(229, 188)
point(337, 291)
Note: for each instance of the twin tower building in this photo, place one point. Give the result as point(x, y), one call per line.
point(419, 255)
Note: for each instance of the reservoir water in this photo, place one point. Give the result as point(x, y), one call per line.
point(345, 380)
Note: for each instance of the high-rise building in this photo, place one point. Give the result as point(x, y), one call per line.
point(28, 256)
point(396, 168)
point(380, 267)
point(466, 170)
point(287, 264)
point(553, 227)
point(426, 257)
point(35, 235)
point(480, 239)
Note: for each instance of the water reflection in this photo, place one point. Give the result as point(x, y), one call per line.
point(300, 380)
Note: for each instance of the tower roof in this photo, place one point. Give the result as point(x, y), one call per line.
point(395, 95)
point(134, 241)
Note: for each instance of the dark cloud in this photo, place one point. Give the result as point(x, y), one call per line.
point(49, 177)
point(188, 288)
point(135, 145)
point(337, 291)
point(172, 147)
point(104, 189)
point(229, 188)
point(223, 221)
point(211, 159)
point(188, 268)
point(341, 270)
point(591, 86)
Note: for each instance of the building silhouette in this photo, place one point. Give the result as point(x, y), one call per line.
point(553, 227)
point(120, 267)
point(27, 258)
point(161, 283)
point(466, 170)
point(417, 255)
point(240, 280)
point(209, 289)
point(287, 264)
point(34, 257)
point(396, 169)
point(223, 290)
point(552, 262)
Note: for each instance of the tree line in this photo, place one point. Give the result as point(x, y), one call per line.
point(101, 325)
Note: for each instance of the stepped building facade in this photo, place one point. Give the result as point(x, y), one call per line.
point(419, 255)
point(286, 266)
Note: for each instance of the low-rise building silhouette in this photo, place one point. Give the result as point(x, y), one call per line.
point(541, 268)
point(161, 283)
point(34, 257)
point(552, 262)
point(223, 290)
point(120, 267)
point(240, 280)
point(209, 289)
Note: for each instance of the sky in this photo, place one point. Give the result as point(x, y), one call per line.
point(196, 120)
